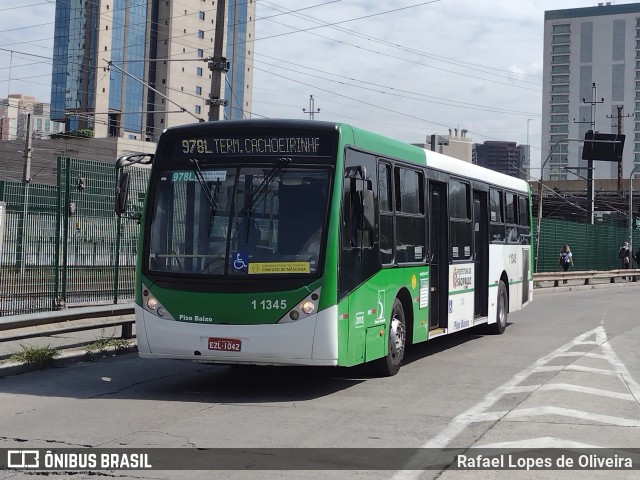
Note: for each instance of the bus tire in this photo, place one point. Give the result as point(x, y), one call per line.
point(502, 310)
point(389, 365)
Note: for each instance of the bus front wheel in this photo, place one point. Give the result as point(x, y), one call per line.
point(502, 310)
point(390, 364)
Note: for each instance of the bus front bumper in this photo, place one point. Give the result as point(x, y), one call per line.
point(309, 341)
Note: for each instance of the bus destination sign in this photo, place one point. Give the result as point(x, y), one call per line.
point(210, 146)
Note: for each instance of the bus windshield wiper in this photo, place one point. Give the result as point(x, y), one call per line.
point(262, 188)
point(212, 197)
point(282, 163)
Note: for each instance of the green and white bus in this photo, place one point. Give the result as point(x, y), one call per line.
point(283, 242)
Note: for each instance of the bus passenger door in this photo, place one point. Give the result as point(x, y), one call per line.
point(439, 255)
point(480, 254)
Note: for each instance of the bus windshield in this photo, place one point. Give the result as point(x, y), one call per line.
point(239, 220)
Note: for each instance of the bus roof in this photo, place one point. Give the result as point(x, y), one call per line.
point(469, 170)
point(258, 124)
point(405, 151)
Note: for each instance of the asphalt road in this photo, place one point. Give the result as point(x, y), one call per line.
point(565, 374)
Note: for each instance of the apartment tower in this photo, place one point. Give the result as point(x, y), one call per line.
point(158, 74)
point(591, 82)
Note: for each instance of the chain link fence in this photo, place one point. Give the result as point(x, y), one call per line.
point(594, 247)
point(62, 245)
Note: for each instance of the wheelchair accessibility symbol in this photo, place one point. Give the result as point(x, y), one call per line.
point(241, 260)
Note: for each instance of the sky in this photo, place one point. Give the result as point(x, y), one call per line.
point(403, 68)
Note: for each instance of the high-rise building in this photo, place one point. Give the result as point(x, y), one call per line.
point(14, 112)
point(503, 157)
point(158, 76)
point(591, 80)
point(240, 34)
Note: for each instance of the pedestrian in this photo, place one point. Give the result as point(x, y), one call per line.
point(624, 255)
point(566, 259)
point(637, 257)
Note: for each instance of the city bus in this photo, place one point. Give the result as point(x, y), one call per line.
point(292, 242)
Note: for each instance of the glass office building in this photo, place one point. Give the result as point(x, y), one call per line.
point(74, 51)
point(128, 52)
point(240, 56)
point(153, 41)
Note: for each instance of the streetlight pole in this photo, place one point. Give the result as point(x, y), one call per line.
point(528, 146)
point(637, 167)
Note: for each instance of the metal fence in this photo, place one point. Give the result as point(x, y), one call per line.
point(594, 247)
point(63, 245)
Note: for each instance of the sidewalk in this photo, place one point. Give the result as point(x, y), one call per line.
point(72, 346)
point(547, 286)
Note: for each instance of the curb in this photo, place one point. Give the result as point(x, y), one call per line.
point(66, 357)
point(569, 288)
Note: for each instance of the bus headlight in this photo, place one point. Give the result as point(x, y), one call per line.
point(152, 303)
point(307, 307)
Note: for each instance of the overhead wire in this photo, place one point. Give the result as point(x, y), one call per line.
point(158, 23)
point(420, 53)
point(360, 84)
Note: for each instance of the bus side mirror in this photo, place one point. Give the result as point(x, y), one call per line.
point(122, 193)
point(368, 211)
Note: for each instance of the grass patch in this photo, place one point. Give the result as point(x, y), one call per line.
point(105, 344)
point(38, 357)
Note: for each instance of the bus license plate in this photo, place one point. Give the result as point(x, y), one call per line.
point(225, 344)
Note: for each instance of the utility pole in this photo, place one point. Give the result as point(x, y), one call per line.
point(590, 192)
point(218, 65)
point(529, 149)
point(312, 108)
point(619, 126)
point(26, 179)
point(26, 172)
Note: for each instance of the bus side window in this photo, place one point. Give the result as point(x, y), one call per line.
point(410, 215)
point(460, 225)
point(511, 218)
point(496, 216)
point(386, 213)
point(523, 216)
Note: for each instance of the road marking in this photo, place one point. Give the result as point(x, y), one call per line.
point(578, 368)
point(573, 388)
point(570, 412)
point(541, 442)
point(625, 376)
point(582, 354)
point(459, 423)
point(479, 412)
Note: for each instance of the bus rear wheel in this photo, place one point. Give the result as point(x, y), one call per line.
point(390, 364)
point(502, 310)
